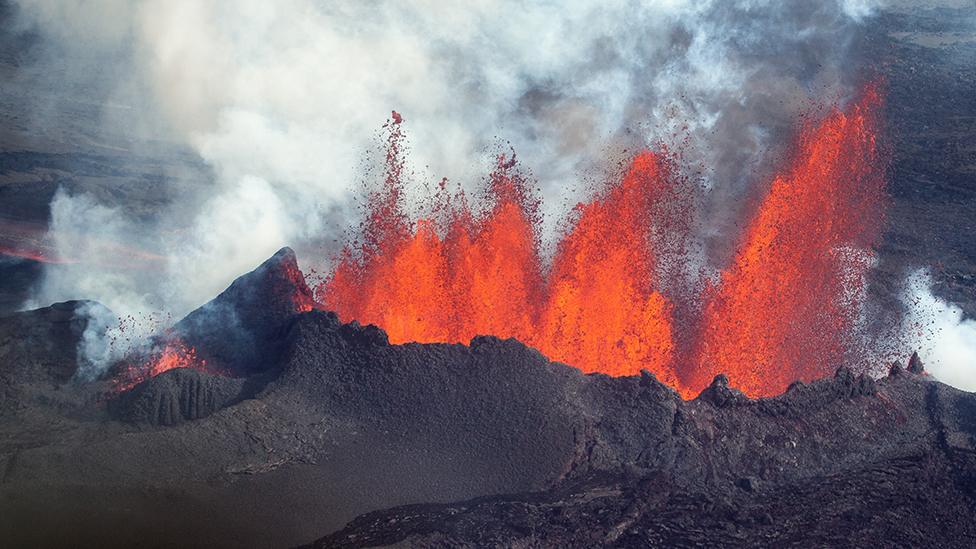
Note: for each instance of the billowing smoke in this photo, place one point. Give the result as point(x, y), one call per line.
point(946, 342)
point(282, 100)
point(81, 228)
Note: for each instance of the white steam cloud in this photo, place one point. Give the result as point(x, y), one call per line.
point(946, 342)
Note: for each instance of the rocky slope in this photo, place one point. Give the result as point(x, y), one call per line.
point(909, 502)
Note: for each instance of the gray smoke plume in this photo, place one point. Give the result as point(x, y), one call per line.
point(281, 99)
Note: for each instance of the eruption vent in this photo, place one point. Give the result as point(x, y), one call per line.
point(783, 310)
point(174, 354)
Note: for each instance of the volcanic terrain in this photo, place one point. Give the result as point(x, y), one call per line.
point(333, 421)
point(263, 419)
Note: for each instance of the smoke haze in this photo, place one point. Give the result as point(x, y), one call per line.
point(283, 99)
point(283, 102)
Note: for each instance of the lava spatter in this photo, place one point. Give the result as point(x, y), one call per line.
point(173, 354)
point(470, 274)
point(780, 311)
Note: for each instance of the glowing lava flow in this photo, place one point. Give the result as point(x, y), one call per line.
point(782, 311)
point(38, 255)
point(34, 242)
point(175, 354)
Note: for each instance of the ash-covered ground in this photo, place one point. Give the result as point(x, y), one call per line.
point(486, 444)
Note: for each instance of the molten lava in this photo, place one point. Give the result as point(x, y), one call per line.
point(597, 309)
point(783, 309)
point(35, 242)
point(297, 293)
point(601, 309)
point(38, 255)
point(174, 354)
point(481, 277)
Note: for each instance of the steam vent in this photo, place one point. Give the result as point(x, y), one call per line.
point(496, 274)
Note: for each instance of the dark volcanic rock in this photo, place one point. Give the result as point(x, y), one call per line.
point(347, 423)
point(240, 329)
point(841, 461)
point(177, 395)
point(911, 502)
point(495, 407)
point(833, 462)
point(240, 332)
point(42, 344)
point(342, 422)
point(487, 403)
point(915, 364)
point(39, 355)
point(721, 395)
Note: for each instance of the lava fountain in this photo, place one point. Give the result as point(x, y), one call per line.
point(782, 310)
point(598, 306)
point(785, 309)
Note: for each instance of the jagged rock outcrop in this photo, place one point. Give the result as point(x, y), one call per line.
point(238, 334)
point(239, 330)
point(721, 395)
point(176, 396)
point(845, 460)
point(915, 365)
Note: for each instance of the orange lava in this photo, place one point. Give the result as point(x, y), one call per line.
point(480, 278)
point(602, 311)
point(782, 310)
point(34, 242)
point(175, 354)
point(300, 296)
point(467, 275)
